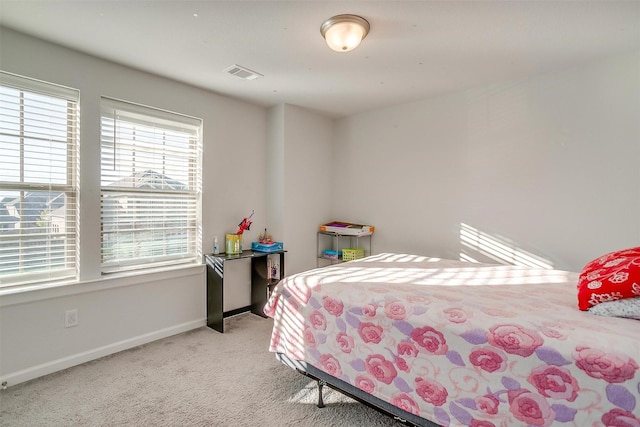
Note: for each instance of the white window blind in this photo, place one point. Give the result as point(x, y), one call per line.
point(38, 153)
point(150, 187)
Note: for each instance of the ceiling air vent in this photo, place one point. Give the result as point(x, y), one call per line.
point(243, 72)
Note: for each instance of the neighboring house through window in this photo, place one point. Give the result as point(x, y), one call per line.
point(150, 187)
point(39, 131)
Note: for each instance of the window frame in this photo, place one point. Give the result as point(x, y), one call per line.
point(113, 111)
point(69, 189)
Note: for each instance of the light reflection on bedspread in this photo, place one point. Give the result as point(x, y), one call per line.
point(462, 344)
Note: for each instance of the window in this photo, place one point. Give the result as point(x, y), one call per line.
point(38, 145)
point(150, 187)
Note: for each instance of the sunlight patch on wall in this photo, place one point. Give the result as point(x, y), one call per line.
point(467, 258)
point(497, 249)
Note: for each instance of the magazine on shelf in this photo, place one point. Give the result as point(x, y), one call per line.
point(347, 228)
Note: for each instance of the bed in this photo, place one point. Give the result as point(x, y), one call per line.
point(445, 342)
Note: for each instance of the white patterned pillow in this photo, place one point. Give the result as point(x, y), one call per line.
point(628, 307)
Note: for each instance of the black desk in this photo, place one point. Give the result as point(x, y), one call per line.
point(260, 285)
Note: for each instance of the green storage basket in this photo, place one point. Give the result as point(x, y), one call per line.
point(350, 254)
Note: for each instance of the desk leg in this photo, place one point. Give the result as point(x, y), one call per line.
point(215, 319)
point(259, 285)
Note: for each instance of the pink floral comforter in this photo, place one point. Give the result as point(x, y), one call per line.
point(462, 344)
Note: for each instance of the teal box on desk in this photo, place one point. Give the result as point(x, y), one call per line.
point(267, 247)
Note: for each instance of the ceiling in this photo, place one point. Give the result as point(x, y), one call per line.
point(415, 49)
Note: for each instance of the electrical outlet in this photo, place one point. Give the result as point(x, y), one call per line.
point(71, 318)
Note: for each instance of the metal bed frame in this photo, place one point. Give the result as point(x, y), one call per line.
point(353, 392)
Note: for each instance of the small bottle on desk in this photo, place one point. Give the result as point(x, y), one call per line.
point(216, 251)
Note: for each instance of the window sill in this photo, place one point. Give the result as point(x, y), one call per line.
point(31, 293)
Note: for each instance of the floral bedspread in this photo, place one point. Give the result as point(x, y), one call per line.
point(462, 344)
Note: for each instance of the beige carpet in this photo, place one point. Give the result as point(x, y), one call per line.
point(198, 378)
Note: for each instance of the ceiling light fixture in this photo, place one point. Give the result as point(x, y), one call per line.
point(344, 32)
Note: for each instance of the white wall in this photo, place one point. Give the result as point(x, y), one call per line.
point(121, 312)
point(301, 142)
point(547, 165)
point(275, 174)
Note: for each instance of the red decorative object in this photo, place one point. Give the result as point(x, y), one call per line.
point(245, 224)
point(610, 277)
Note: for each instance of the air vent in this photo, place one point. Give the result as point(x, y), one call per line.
point(243, 72)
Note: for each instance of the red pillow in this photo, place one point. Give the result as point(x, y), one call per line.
point(613, 276)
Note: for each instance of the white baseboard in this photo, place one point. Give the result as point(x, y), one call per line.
point(31, 373)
